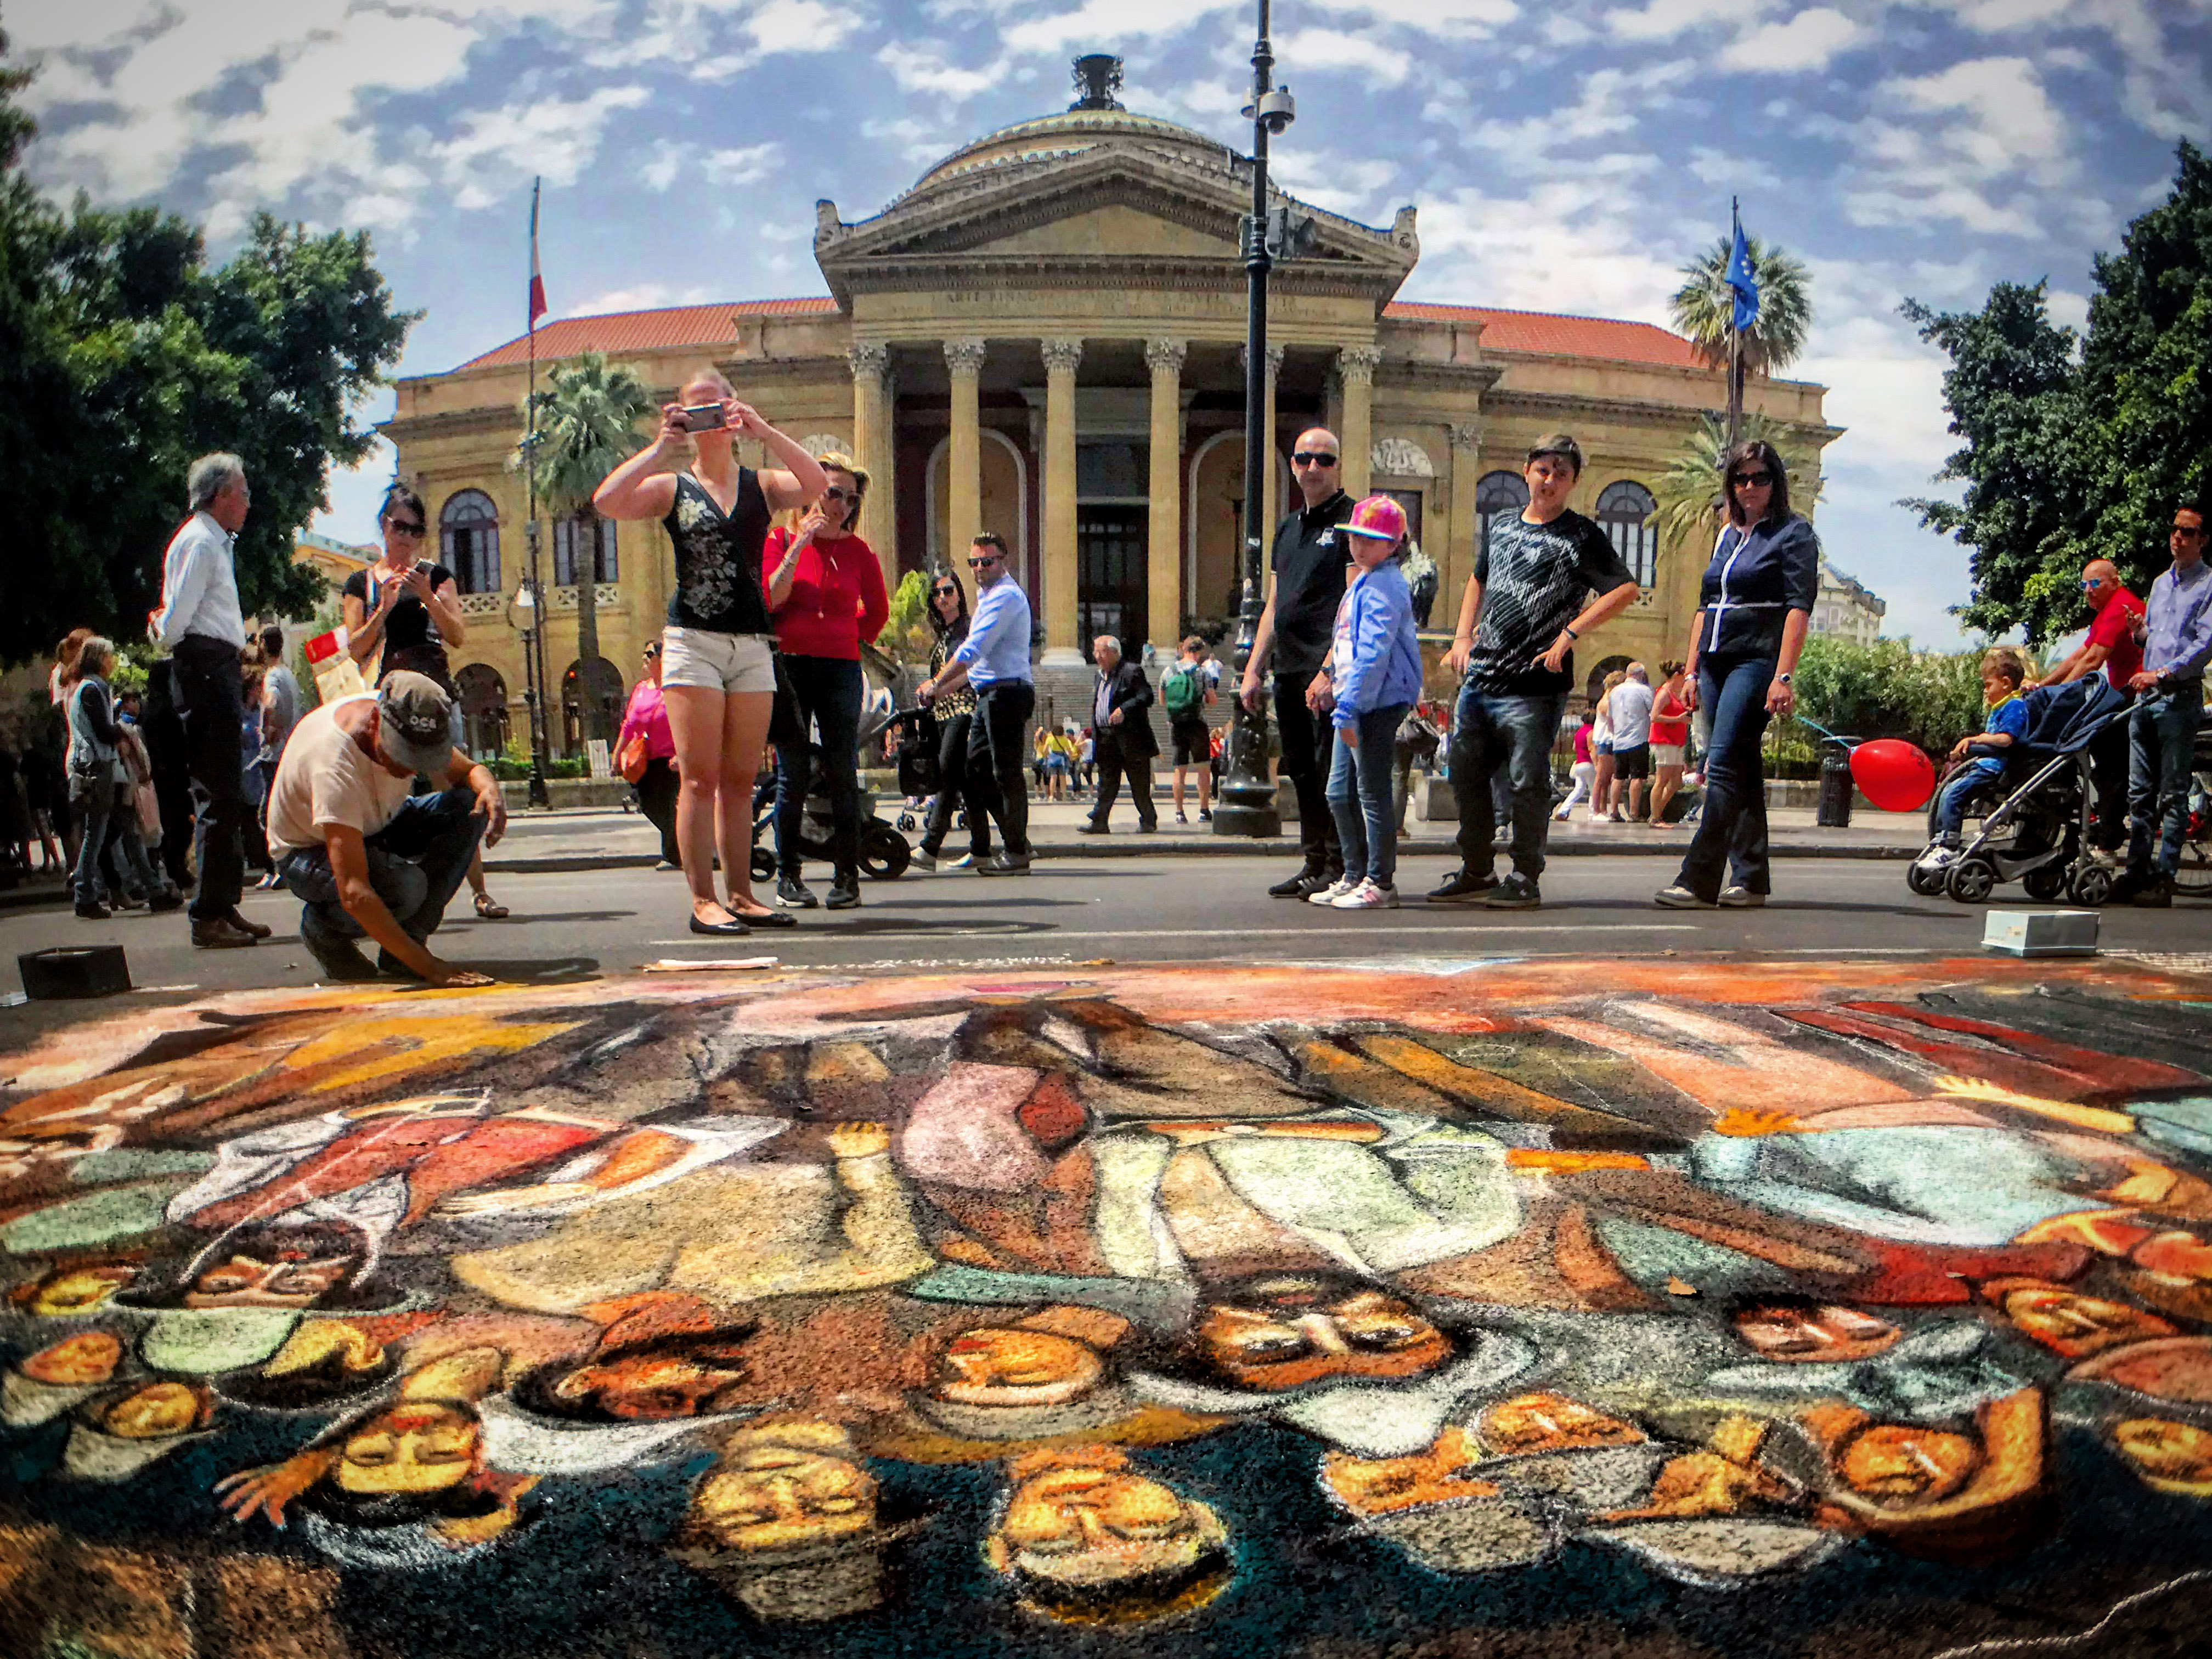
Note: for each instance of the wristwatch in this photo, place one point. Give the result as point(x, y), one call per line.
point(1783, 678)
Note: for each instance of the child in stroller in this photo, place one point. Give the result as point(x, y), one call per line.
point(2026, 778)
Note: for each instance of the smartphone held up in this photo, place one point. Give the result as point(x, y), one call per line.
point(704, 417)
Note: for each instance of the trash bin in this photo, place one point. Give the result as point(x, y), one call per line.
point(1835, 812)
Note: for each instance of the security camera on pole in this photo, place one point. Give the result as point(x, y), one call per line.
point(1247, 794)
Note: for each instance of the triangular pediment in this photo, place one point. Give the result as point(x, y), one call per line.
point(1092, 210)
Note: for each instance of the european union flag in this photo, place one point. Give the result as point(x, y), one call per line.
point(1744, 280)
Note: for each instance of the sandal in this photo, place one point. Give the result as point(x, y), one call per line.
point(490, 910)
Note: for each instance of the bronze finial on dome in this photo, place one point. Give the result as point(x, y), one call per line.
point(1097, 78)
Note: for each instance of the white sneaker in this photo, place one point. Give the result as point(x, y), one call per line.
point(1939, 856)
point(1368, 896)
point(965, 861)
point(1329, 895)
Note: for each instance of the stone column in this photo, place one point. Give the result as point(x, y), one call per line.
point(1355, 366)
point(1458, 564)
point(872, 443)
point(1271, 504)
point(1163, 543)
point(963, 360)
point(1056, 604)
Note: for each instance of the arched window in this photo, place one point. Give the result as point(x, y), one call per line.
point(1497, 494)
point(1623, 509)
point(585, 529)
point(599, 683)
point(468, 531)
point(484, 710)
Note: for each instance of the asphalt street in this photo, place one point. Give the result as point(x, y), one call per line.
point(566, 925)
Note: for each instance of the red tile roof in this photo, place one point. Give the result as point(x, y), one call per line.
point(1604, 337)
point(1561, 336)
point(645, 331)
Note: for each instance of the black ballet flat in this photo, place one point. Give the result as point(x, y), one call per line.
point(769, 919)
point(730, 929)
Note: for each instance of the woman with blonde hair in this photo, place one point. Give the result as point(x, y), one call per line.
point(718, 664)
point(826, 591)
point(1601, 734)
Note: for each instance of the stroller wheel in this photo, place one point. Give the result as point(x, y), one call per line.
point(2092, 884)
point(764, 863)
point(884, 854)
point(2046, 883)
point(1923, 881)
point(906, 821)
point(1972, 881)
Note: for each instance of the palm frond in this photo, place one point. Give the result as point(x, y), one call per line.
point(1702, 309)
point(588, 416)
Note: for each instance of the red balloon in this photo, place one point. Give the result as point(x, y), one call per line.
point(1893, 774)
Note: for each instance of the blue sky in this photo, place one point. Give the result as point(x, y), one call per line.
point(1564, 157)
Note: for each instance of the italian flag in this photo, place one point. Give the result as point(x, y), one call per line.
point(537, 278)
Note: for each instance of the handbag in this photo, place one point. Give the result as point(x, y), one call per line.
point(634, 756)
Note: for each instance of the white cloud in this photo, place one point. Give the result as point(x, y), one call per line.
point(669, 159)
point(1336, 184)
point(1100, 25)
point(644, 297)
point(921, 68)
point(1568, 245)
point(1807, 41)
point(494, 150)
point(1732, 168)
point(742, 165)
point(2013, 121)
point(1313, 52)
point(1613, 101)
point(1662, 20)
point(1994, 16)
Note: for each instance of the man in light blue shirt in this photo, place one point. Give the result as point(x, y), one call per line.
point(199, 625)
point(994, 659)
point(2162, 731)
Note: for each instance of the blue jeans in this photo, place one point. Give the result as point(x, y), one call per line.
point(1490, 731)
point(1360, 800)
point(1732, 828)
point(1951, 805)
point(415, 864)
point(2161, 751)
point(828, 691)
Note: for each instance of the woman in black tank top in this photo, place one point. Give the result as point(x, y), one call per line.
point(718, 678)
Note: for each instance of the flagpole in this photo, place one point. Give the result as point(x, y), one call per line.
point(1735, 339)
point(534, 646)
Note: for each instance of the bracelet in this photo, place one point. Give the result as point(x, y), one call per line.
point(1569, 631)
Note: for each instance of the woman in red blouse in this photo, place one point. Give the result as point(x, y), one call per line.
point(826, 592)
point(646, 717)
point(1670, 739)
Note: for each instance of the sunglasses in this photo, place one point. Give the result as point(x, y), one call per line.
point(1753, 478)
point(1313, 457)
point(978, 564)
point(942, 592)
point(403, 527)
point(833, 494)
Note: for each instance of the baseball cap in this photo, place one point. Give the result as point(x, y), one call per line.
point(1378, 517)
point(418, 721)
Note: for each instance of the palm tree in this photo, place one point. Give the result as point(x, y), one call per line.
point(1689, 489)
point(1705, 306)
point(587, 416)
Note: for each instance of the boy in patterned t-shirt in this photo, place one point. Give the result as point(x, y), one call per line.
point(1531, 592)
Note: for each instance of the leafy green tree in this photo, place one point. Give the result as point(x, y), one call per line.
point(1888, 689)
point(2072, 455)
point(2011, 393)
point(587, 415)
point(123, 356)
point(1692, 484)
point(907, 634)
point(1703, 307)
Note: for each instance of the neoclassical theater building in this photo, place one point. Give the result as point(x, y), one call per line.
point(1044, 337)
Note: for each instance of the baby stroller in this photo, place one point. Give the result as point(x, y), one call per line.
point(885, 853)
point(2031, 817)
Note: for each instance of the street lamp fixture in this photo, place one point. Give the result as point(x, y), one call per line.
point(1247, 805)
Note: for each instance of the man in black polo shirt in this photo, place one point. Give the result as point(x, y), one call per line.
point(1294, 639)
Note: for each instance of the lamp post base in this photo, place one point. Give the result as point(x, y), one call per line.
point(1242, 818)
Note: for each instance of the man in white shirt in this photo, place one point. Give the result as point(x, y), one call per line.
point(365, 856)
point(199, 625)
point(1631, 704)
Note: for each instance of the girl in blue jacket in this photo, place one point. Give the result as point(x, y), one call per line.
point(1372, 677)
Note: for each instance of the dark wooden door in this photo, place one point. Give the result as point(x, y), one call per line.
point(1109, 583)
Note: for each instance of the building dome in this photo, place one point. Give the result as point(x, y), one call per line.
point(1096, 119)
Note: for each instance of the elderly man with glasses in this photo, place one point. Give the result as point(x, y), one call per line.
point(1294, 631)
point(994, 659)
point(2177, 644)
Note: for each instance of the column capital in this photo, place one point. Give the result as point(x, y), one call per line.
point(1166, 357)
point(1063, 354)
point(870, 357)
point(1274, 359)
point(1356, 365)
point(1464, 434)
point(964, 357)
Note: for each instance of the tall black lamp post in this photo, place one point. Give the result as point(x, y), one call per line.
point(1247, 805)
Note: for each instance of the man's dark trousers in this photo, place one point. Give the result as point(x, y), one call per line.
point(1309, 747)
point(995, 758)
point(1113, 761)
point(211, 696)
point(415, 863)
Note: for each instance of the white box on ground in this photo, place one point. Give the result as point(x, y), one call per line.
point(2041, 933)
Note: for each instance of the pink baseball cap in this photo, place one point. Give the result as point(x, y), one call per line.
point(1379, 518)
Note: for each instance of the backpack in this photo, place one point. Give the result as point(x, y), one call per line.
point(1183, 693)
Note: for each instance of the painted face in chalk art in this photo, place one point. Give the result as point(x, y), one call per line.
point(651, 1386)
point(76, 1361)
point(790, 1484)
point(1811, 1334)
point(419, 1447)
point(2175, 1457)
point(1281, 1333)
point(1088, 1536)
point(75, 1291)
point(153, 1413)
point(993, 1367)
point(247, 1280)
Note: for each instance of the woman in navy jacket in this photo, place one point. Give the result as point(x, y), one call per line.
point(1753, 608)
